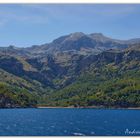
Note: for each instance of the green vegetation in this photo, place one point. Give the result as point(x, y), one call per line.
point(108, 79)
point(15, 97)
point(120, 91)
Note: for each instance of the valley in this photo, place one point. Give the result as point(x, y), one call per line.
point(77, 70)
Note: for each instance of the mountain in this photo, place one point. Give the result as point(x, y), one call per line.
point(74, 70)
point(79, 43)
point(109, 79)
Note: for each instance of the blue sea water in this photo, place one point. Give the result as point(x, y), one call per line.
point(69, 122)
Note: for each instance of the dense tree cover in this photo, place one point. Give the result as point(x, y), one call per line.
point(15, 97)
point(104, 90)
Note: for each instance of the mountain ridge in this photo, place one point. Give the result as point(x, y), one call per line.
point(76, 41)
point(65, 77)
point(94, 42)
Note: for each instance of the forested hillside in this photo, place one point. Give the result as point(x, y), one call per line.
point(74, 70)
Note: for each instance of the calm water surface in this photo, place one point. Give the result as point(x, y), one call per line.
point(69, 122)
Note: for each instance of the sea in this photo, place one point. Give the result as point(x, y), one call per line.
point(69, 122)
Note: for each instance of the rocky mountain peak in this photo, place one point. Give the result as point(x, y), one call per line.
point(99, 37)
point(76, 35)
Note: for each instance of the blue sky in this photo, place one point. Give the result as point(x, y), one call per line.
point(24, 25)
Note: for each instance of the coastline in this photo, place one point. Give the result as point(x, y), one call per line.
point(88, 107)
point(73, 107)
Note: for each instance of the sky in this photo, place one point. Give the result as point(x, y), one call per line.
point(24, 25)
